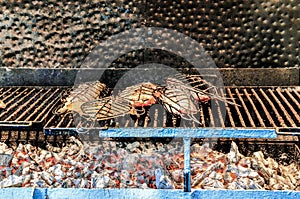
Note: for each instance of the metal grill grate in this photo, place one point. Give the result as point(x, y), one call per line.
point(259, 107)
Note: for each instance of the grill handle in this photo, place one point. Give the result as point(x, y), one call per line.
point(21, 125)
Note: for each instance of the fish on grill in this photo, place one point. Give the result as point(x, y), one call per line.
point(2, 105)
point(84, 92)
point(133, 100)
point(199, 95)
point(105, 108)
point(199, 89)
point(177, 102)
point(139, 97)
point(179, 97)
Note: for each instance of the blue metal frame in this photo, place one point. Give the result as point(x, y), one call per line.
point(63, 193)
point(189, 132)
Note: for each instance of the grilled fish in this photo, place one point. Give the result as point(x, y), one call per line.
point(177, 102)
point(132, 100)
point(139, 97)
point(196, 94)
point(105, 108)
point(199, 88)
point(85, 92)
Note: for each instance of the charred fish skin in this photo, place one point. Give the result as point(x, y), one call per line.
point(139, 95)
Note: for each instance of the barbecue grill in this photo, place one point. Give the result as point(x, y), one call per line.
point(250, 45)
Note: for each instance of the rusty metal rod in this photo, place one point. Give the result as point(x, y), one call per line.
point(2, 93)
point(155, 120)
point(285, 113)
point(23, 106)
point(10, 96)
point(17, 102)
point(245, 108)
point(292, 98)
point(295, 113)
point(228, 112)
point(42, 109)
point(50, 120)
point(220, 114)
point(236, 108)
point(278, 116)
point(211, 118)
point(254, 108)
point(297, 93)
point(34, 104)
point(264, 108)
point(201, 116)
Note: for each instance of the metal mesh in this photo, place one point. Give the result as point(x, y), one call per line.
point(258, 107)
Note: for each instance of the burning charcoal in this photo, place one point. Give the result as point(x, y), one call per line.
point(199, 177)
point(48, 178)
point(209, 183)
point(77, 166)
point(22, 171)
point(234, 156)
point(162, 181)
point(52, 148)
point(67, 183)
point(133, 146)
point(5, 158)
point(12, 181)
point(100, 181)
point(4, 149)
point(76, 182)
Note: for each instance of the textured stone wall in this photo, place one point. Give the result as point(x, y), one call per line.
point(236, 33)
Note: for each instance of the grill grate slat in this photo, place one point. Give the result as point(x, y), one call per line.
point(33, 105)
point(292, 98)
point(278, 116)
point(295, 114)
point(241, 120)
point(261, 122)
point(269, 118)
point(258, 107)
point(249, 117)
point(21, 101)
point(283, 110)
point(44, 112)
point(229, 114)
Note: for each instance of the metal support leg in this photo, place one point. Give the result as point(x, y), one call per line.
point(187, 165)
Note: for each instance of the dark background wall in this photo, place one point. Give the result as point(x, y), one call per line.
point(236, 33)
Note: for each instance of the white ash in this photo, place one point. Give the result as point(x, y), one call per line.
point(142, 164)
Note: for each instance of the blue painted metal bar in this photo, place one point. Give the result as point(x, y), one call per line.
point(187, 165)
point(60, 193)
point(71, 131)
point(189, 132)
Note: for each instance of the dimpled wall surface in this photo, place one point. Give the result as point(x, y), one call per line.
point(235, 33)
